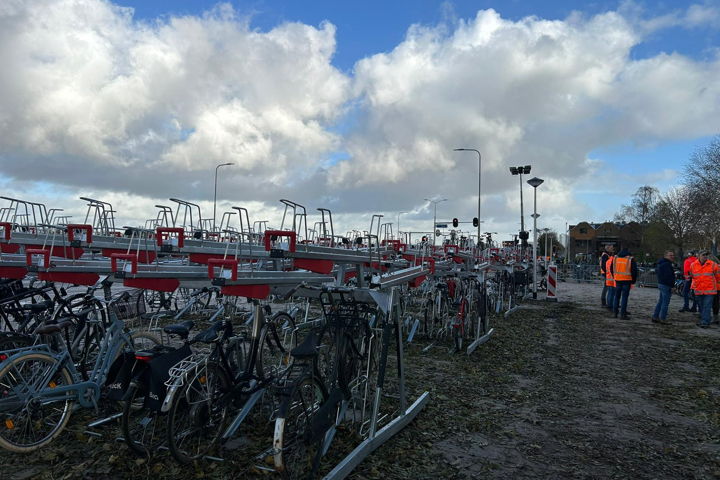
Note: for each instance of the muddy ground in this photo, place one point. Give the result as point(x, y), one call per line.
point(561, 391)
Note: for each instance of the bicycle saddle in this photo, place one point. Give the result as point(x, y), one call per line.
point(308, 348)
point(37, 307)
point(180, 329)
point(53, 327)
point(210, 334)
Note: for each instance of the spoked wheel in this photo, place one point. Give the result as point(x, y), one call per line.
point(277, 338)
point(428, 318)
point(460, 324)
point(297, 452)
point(197, 417)
point(443, 322)
point(144, 429)
point(30, 416)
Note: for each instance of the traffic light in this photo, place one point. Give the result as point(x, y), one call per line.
point(455, 222)
point(476, 222)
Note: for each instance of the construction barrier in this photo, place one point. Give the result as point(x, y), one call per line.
point(552, 283)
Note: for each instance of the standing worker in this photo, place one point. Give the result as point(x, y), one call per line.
point(625, 272)
point(610, 282)
point(705, 275)
point(691, 258)
point(604, 300)
point(666, 280)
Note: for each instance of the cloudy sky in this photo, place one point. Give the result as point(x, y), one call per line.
point(354, 106)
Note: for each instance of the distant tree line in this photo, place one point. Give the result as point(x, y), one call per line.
point(686, 217)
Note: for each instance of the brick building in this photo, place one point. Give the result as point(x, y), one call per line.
point(589, 239)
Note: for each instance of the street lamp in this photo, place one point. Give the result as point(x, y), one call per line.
point(400, 236)
point(535, 182)
point(435, 202)
point(479, 188)
point(215, 194)
point(545, 231)
point(523, 234)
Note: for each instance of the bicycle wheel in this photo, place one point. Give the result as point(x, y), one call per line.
point(428, 318)
point(296, 452)
point(143, 429)
point(31, 420)
point(460, 324)
point(197, 418)
point(277, 338)
point(143, 340)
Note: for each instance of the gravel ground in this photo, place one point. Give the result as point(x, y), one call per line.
point(562, 390)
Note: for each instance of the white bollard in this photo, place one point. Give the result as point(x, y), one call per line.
point(552, 283)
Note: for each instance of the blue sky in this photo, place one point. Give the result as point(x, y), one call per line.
point(365, 28)
point(374, 26)
point(600, 97)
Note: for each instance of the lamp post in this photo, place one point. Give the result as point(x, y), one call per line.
point(545, 231)
point(535, 182)
point(215, 194)
point(523, 234)
point(400, 236)
point(479, 189)
point(435, 202)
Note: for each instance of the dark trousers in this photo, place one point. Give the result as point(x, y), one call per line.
point(603, 295)
point(622, 292)
point(687, 293)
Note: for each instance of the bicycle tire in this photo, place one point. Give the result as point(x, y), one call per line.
point(196, 418)
point(143, 429)
point(277, 338)
point(32, 413)
point(294, 458)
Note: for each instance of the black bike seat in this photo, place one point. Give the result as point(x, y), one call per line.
point(308, 348)
point(180, 329)
point(53, 327)
point(209, 335)
point(37, 307)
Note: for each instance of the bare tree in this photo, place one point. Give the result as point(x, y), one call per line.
point(678, 210)
point(642, 206)
point(702, 174)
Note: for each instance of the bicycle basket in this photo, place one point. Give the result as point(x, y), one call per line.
point(130, 308)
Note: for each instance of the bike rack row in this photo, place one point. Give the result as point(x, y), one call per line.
point(179, 249)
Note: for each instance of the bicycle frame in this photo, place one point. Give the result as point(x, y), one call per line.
point(86, 393)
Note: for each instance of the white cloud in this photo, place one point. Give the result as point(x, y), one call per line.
point(140, 111)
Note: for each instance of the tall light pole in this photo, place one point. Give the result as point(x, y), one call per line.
point(479, 189)
point(545, 231)
point(399, 236)
point(535, 182)
point(215, 194)
point(523, 234)
point(435, 202)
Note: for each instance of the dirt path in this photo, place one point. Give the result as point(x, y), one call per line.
point(560, 391)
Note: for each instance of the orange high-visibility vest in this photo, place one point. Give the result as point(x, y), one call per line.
point(622, 268)
point(609, 280)
point(705, 277)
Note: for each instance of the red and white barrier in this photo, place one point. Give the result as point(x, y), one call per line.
point(552, 283)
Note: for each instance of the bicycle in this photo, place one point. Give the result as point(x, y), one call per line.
point(39, 387)
point(205, 387)
point(333, 366)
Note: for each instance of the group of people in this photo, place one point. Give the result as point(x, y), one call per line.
point(701, 281)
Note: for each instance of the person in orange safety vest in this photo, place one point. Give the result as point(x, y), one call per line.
point(610, 281)
point(625, 273)
point(605, 301)
point(687, 291)
point(705, 276)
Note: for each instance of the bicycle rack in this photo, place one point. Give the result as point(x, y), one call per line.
point(299, 218)
point(103, 216)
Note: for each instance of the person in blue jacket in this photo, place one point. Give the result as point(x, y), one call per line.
point(665, 280)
